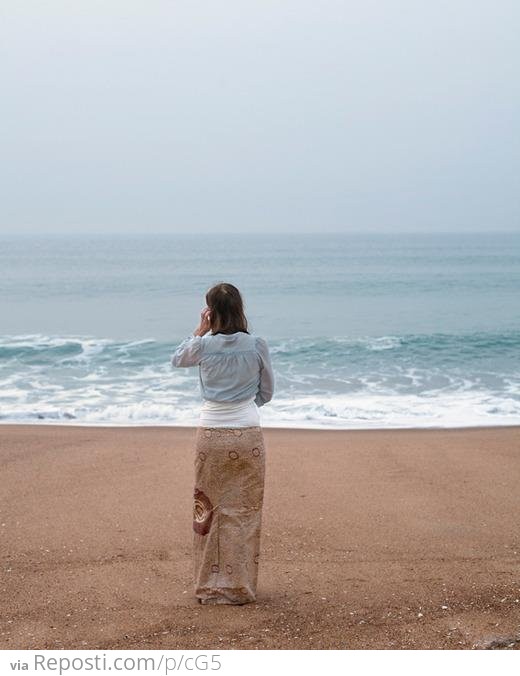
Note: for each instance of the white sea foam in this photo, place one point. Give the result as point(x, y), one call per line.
point(381, 343)
point(339, 382)
point(342, 412)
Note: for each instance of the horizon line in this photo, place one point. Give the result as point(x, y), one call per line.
point(191, 233)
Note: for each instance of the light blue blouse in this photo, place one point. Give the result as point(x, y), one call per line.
point(232, 367)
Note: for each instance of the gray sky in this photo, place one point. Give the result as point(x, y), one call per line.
point(183, 115)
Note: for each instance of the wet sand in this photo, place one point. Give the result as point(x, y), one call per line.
point(371, 539)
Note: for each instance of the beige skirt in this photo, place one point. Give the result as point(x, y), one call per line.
point(227, 513)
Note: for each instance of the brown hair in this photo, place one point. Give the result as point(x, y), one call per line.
point(227, 309)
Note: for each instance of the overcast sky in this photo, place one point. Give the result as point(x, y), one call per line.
point(298, 115)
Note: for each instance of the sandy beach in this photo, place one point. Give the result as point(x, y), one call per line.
point(371, 539)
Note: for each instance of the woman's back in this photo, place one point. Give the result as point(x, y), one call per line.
point(232, 367)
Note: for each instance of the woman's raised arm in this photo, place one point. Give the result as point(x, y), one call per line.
point(188, 353)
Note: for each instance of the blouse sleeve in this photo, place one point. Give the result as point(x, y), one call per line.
point(266, 387)
point(188, 353)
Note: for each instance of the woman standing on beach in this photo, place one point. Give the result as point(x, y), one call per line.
point(236, 377)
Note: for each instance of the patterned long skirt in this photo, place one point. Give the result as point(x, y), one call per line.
point(227, 513)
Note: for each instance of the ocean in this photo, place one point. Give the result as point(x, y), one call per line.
point(365, 330)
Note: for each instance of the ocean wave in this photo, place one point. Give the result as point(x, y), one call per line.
point(362, 412)
point(340, 381)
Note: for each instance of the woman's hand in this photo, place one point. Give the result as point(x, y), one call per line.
point(204, 325)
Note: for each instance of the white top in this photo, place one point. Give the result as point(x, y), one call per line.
point(229, 413)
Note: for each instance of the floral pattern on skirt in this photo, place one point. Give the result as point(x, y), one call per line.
point(227, 513)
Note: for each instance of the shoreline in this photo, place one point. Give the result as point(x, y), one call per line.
point(156, 426)
point(371, 539)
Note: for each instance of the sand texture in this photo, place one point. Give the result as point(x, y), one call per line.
point(370, 539)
